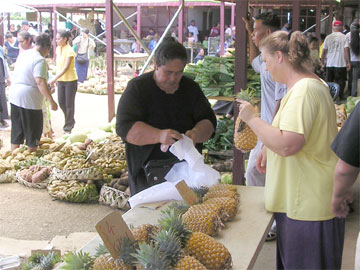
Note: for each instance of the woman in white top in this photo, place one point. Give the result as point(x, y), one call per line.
point(27, 91)
point(353, 38)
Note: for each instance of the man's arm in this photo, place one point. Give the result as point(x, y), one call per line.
point(253, 50)
point(323, 57)
point(345, 176)
point(347, 58)
point(201, 132)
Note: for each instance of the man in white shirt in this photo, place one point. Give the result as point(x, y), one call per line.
point(26, 27)
point(193, 29)
point(335, 57)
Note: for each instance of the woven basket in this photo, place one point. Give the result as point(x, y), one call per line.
point(78, 174)
point(40, 185)
point(8, 176)
point(114, 198)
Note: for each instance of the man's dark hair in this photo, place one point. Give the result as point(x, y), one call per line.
point(43, 40)
point(169, 50)
point(270, 20)
point(313, 39)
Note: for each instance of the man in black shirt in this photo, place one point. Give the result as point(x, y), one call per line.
point(156, 108)
point(346, 146)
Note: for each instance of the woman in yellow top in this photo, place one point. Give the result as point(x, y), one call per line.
point(300, 164)
point(66, 78)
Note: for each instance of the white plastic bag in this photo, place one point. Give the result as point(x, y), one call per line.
point(194, 171)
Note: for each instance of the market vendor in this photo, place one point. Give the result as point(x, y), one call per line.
point(156, 108)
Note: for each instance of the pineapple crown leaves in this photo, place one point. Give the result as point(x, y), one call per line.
point(77, 261)
point(172, 220)
point(101, 250)
point(178, 208)
point(247, 95)
point(150, 257)
point(127, 248)
point(170, 245)
point(41, 261)
point(200, 191)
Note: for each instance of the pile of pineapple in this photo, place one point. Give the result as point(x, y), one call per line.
point(181, 241)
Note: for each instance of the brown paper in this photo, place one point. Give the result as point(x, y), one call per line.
point(112, 229)
point(186, 193)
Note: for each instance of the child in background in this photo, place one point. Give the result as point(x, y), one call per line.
point(205, 44)
point(314, 53)
point(190, 39)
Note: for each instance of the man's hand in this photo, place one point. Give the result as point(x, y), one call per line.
point(248, 24)
point(169, 136)
point(192, 134)
point(53, 106)
point(340, 204)
point(261, 161)
point(348, 66)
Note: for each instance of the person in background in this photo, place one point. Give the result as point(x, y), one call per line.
point(151, 33)
point(153, 42)
point(156, 108)
point(98, 28)
point(314, 53)
point(11, 48)
point(83, 45)
point(215, 30)
point(50, 31)
point(346, 29)
point(205, 44)
point(25, 41)
point(25, 26)
point(68, 24)
point(271, 91)
point(353, 39)
point(297, 158)
point(285, 27)
point(199, 56)
point(228, 31)
point(193, 29)
point(4, 80)
point(27, 91)
point(66, 78)
point(13, 30)
point(335, 57)
point(190, 39)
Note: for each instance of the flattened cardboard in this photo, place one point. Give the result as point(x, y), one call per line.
point(46, 251)
point(186, 193)
point(112, 229)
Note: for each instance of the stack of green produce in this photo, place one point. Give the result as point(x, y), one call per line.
point(224, 136)
point(215, 75)
point(351, 103)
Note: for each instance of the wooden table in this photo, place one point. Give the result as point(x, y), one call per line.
point(132, 58)
point(243, 237)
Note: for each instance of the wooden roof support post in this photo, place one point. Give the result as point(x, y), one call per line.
point(318, 19)
point(331, 18)
point(222, 27)
point(181, 24)
point(296, 15)
point(55, 32)
point(240, 79)
point(40, 23)
point(138, 25)
point(8, 19)
point(110, 58)
point(2, 31)
point(232, 16)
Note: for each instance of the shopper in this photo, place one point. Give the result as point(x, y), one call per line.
point(83, 45)
point(215, 30)
point(12, 30)
point(192, 28)
point(300, 163)
point(335, 57)
point(27, 91)
point(25, 41)
point(353, 39)
point(25, 26)
point(156, 108)
point(11, 48)
point(347, 147)
point(271, 92)
point(4, 79)
point(66, 78)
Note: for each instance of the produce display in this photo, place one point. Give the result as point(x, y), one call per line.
point(34, 176)
point(113, 193)
point(169, 245)
point(224, 136)
point(215, 75)
point(244, 138)
point(341, 114)
point(351, 103)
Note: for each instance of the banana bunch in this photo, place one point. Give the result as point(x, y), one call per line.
point(110, 165)
point(20, 157)
point(4, 166)
point(109, 149)
point(75, 163)
point(73, 191)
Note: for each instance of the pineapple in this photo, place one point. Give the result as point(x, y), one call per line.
point(144, 232)
point(204, 219)
point(106, 262)
point(230, 206)
point(42, 262)
point(170, 245)
point(222, 187)
point(178, 208)
point(200, 192)
point(221, 193)
point(244, 138)
point(212, 254)
point(78, 261)
point(189, 263)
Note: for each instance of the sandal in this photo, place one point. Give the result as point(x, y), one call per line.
point(270, 236)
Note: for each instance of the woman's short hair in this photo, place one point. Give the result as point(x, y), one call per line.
point(169, 50)
point(25, 35)
point(294, 44)
point(43, 40)
point(270, 20)
point(8, 35)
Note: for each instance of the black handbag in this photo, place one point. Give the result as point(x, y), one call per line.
point(156, 170)
point(82, 58)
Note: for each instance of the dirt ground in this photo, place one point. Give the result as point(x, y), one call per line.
point(31, 214)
